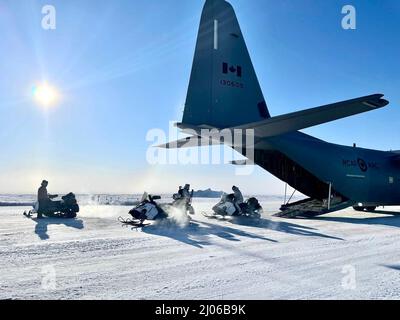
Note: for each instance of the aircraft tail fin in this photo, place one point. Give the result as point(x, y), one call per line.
point(223, 90)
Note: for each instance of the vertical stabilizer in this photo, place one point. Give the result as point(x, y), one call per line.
point(223, 89)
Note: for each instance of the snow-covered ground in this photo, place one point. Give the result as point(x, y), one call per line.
point(344, 255)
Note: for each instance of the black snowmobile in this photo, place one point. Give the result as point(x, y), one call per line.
point(251, 208)
point(66, 208)
point(146, 209)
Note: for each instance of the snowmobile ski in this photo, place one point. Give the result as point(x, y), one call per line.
point(133, 223)
point(213, 216)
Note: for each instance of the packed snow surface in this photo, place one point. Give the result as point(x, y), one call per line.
point(342, 255)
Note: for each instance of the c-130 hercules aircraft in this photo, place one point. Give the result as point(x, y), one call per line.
point(224, 93)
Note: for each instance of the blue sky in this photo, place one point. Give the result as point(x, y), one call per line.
point(122, 68)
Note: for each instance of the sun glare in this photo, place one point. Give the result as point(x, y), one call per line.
point(45, 95)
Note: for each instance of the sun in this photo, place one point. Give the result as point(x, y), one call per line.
point(45, 95)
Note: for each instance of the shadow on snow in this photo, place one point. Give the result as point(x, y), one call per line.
point(391, 219)
point(41, 227)
point(282, 226)
point(198, 233)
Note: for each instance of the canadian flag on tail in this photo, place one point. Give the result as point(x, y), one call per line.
point(226, 68)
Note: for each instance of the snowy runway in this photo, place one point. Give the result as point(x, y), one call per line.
point(94, 257)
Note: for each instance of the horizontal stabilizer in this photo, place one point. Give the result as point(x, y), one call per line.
point(189, 142)
point(181, 143)
point(315, 116)
point(241, 162)
point(202, 135)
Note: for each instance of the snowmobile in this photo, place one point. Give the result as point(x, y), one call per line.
point(227, 207)
point(183, 203)
point(147, 209)
point(251, 208)
point(67, 208)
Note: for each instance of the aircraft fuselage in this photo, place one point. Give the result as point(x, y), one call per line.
point(370, 177)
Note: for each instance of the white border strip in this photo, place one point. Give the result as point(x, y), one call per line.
point(215, 34)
